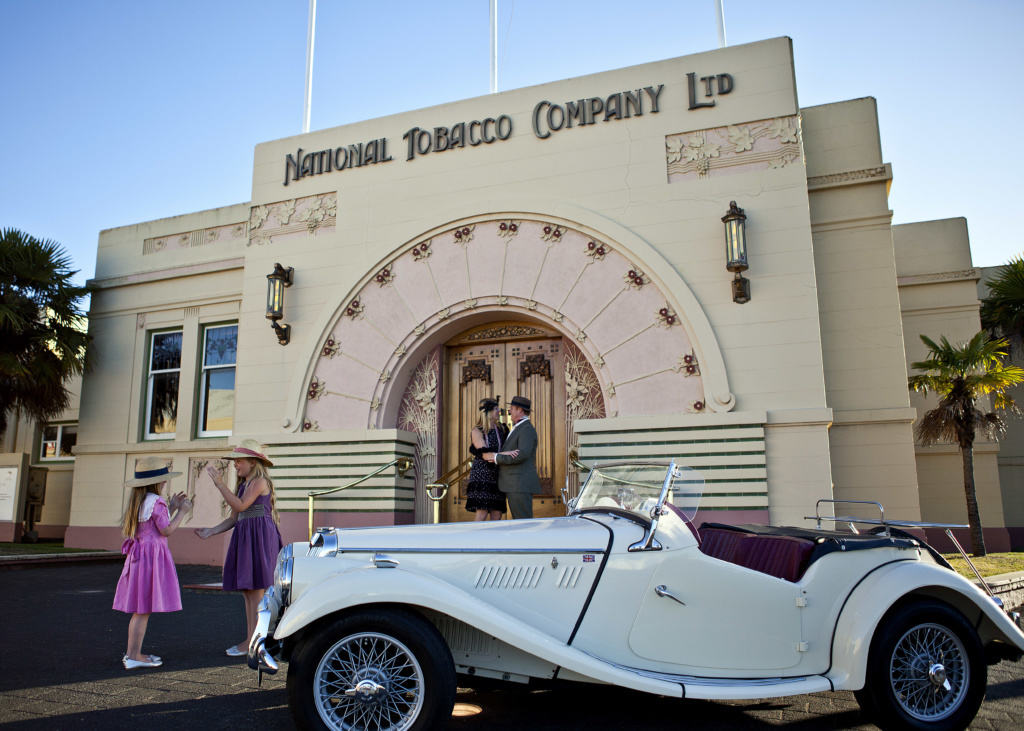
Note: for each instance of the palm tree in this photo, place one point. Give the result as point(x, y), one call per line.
point(1002, 310)
point(961, 375)
point(42, 334)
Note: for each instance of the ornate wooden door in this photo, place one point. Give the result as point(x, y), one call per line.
point(506, 360)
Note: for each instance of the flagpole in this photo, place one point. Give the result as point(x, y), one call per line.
point(310, 35)
point(720, 19)
point(494, 46)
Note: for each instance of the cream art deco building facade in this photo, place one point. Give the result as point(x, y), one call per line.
point(563, 242)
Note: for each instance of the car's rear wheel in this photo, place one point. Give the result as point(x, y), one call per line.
point(926, 669)
point(383, 670)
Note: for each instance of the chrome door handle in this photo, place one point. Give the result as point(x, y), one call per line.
point(662, 590)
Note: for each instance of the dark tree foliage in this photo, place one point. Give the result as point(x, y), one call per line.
point(962, 375)
point(1002, 310)
point(42, 326)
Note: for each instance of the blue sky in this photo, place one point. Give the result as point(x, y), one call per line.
point(116, 112)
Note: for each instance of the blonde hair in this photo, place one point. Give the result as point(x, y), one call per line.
point(483, 422)
point(130, 520)
point(259, 470)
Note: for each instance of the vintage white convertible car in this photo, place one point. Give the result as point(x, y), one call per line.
point(625, 590)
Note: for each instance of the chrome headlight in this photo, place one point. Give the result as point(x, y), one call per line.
point(283, 574)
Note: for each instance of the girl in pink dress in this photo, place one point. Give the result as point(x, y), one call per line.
point(256, 539)
point(149, 582)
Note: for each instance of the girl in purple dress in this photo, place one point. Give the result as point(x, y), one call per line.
point(256, 540)
point(149, 582)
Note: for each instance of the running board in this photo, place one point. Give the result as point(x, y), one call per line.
point(737, 688)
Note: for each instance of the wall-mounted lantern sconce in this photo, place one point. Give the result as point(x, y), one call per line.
point(736, 251)
point(277, 280)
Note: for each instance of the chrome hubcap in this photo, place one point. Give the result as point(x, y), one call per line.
point(929, 672)
point(368, 681)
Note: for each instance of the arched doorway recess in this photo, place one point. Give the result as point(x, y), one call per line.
point(380, 358)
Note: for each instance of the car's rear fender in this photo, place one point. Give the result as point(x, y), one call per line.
point(896, 583)
point(363, 586)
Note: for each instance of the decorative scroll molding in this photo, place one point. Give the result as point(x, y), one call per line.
point(505, 332)
point(308, 214)
point(879, 174)
point(761, 145)
point(964, 275)
point(199, 237)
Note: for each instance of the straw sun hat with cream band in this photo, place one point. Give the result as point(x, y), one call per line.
point(249, 449)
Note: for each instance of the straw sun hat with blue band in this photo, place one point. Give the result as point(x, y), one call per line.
point(149, 471)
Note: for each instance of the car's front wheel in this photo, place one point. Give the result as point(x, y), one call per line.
point(926, 669)
point(385, 669)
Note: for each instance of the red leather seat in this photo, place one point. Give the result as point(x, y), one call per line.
point(721, 543)
point(784, 557)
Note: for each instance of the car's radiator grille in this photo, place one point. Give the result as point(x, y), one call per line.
point(508, 577)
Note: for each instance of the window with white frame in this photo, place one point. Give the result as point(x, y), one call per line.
point(58, 441)
point(164, 375)
point(217, 387)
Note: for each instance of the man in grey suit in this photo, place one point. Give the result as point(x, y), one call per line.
point(517, 466)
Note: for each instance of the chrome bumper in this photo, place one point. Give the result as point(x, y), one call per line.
point(259, 657)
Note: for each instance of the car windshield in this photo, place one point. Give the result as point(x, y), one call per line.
point(636, 487)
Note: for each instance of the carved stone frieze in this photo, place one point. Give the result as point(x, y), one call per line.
point(764, 144)
point(310, 214)
point(199, 237)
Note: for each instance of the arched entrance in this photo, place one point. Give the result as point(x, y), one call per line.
point(632, 340)
point(506, 359)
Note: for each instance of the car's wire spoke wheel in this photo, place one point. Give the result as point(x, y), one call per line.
point(368, 681)
point(929, 672)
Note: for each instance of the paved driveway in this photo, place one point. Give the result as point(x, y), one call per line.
point(61, 644)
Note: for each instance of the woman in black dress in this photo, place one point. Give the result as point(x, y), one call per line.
point(482, 494)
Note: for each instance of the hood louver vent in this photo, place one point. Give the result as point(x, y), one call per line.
point(508, 577)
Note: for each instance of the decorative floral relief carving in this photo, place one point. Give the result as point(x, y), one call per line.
point(421, 251)
point(418, 414)
point(697, 406)
point(444, 314)
point(580, 335)
point(768, 143)
point(688, 365)
point(596, 251)
point(531, 305)
point(322, 209)
point(471, 304)
point(535, 365)
point(400, 351)
point(464, 235)
point(476, 370)
point(552, 234)
point(285, 212)
point(385, 376)
point(557, 316)
point(291, 216)
point(503, 332)
point(331, 348)
point(385, 276)
point(502, 300)
point(508, 229)
point(599, 361)
point(583, 399)
point(375, 404)
point(635, 278)
point(258, 217)
point(667, 317)
point(316, 389)
point(354, 310)
point(419, 329)
point(310, 425)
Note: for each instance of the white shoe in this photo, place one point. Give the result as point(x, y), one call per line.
point(153, 662)
point(233, 651)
